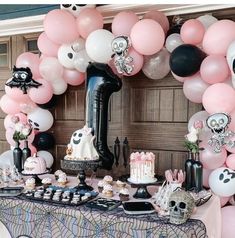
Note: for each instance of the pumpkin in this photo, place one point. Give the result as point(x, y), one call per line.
point(35, 165)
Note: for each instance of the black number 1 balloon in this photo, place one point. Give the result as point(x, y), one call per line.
point(101, 83)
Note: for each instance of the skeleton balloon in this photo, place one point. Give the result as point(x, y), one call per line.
point(120, 47)
point(218, 123)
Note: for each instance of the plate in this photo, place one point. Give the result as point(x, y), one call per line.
point(138, 208)
point(134, 182)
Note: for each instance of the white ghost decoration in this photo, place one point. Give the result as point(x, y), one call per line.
point(81, 145)
point(231, 60)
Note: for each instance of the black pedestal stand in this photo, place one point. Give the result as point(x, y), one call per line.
point(142, 192)
point(38, 181)
point(81, 166)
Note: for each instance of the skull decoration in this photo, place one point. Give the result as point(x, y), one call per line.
point(231, 60)
point(218, 123)
point(75, 9)
point(120, 47)
point(181, 205)
point(81, 145)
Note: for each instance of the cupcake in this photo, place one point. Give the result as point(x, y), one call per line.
point(108, 179)
point(30, 183)
point(62, 180)
point(107, 190)
point(124, 194)
point(57, 173)
point(120, 184)
point(101, 184)
point(46, 182)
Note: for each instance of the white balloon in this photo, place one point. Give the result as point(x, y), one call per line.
point(66, 56)
point(81, 61)
point(230, 59)
point(6, 159)
point(207, 20)
point(173, 41)
point(59, 87)
point(98, 45)
point(47, 157)
point(40, 119)
point(222, 182)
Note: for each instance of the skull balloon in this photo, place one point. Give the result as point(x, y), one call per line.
point(75, 9)
point(181, 205)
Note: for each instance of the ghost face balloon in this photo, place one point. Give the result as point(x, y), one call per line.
point(75, 9)
point(81, 145)
point(222, 181)
point(66, 56)
point(231, 60)
point(40, 119)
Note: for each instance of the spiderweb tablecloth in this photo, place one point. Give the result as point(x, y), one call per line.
point(43, 220)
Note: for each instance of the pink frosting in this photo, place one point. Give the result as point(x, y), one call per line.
point(141, 157)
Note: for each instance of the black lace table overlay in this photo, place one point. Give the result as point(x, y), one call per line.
point(42, 220)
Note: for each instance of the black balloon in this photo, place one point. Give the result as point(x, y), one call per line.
point(44, 141)
point(101, 83)
point(185, 60)
point(49, 104)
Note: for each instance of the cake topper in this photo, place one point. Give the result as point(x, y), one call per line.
point(218, 123)
point(120, 47)
point(22, 78)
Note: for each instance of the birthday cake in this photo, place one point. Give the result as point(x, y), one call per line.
point(81, 146)
point(142, 167)
point(35, 165)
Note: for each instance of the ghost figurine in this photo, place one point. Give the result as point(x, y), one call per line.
point(218, 123)
point(231, 60)
point(120, 47)
point(81, 146)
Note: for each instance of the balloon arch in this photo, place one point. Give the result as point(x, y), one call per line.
point(194, 52)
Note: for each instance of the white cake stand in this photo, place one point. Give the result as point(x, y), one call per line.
point(142, 192)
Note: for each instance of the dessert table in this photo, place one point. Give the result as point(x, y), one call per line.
point(26, 218)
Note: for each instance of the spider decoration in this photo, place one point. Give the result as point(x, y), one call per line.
point(120, 47)
point(22, 78)
point(218, 123)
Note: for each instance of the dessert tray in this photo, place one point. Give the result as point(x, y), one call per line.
point(104, 204)
point(58, 195)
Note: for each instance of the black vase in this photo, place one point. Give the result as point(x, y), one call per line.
point(197, 169)
point(26, 152)
point(188, 170)
point(17, 157)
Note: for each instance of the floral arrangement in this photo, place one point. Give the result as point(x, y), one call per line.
point(22, 131)
point(192, 138)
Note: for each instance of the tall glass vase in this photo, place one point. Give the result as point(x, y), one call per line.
point(188, 171)
point(26, 152)
point(17, 156)
point(197, 169)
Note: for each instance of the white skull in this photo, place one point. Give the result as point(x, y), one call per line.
point(231, 60)
point(75, 9)
point(120, 45)
point(181, 205)
point(218, 122)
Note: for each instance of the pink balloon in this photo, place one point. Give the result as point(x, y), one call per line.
point(147, 37)
point(89, 19)
point(224, 200)
point(31, 60)
point(199, 116)
point(42, 94)
point(231, 126)
point(46, 46)
point(211, 159)
point(214, 69)
point(27, 107)
point(192, 32)
point(182, 79)
point(205, 177)
point(228, 221)
point(8, 105)
point(230, 161)
point(137, 62)
point(15, 93)
point(33, 149)
point(60, 26)
point(51, 69)
point(218, 37)
point(159, 17)
point(123, 22)
point(8, 120)
point(73, 77)
point(195, 88)
point(219, 97)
